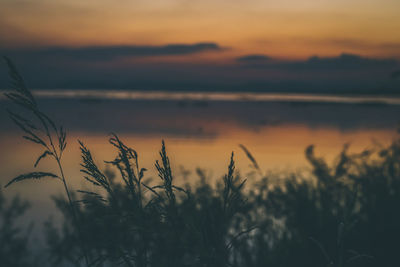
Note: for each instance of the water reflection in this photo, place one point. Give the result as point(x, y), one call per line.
point(198, 133)
point(276, 132)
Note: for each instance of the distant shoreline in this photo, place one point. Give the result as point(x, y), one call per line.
point(214, 96)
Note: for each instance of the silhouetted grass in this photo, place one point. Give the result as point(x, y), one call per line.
point(340, 214)
point(14, 238)
point(39, 129)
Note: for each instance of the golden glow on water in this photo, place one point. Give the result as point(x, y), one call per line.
point(279, 148)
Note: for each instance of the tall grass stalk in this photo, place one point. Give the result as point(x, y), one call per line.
point(39, 129)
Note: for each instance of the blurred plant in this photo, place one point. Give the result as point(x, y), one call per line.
point(39, 129)
point(14, 239)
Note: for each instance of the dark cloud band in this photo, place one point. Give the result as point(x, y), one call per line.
point(341, 62)
point(253, 58)
point(100, 53)
point(89, 67)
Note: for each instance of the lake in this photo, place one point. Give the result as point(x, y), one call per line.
point(200, 130)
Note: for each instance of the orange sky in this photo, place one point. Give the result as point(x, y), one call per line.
point(290, 29)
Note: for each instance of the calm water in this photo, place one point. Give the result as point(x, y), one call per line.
point(200, 130)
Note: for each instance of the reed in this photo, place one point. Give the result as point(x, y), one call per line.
point(41, 130)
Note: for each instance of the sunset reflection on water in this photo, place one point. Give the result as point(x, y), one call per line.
point(197, 134)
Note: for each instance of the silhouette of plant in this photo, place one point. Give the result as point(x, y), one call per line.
point(39, 129)
point(14, 239)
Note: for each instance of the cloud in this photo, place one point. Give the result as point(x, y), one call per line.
point(342, 74)
point(344, 61)
point(253, 58)
point(106, 53)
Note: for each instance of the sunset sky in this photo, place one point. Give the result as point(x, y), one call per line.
point(203, 38)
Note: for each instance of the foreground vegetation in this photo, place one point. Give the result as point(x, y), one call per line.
point(339, 214)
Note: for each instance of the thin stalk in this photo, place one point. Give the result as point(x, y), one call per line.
point(75, 217)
